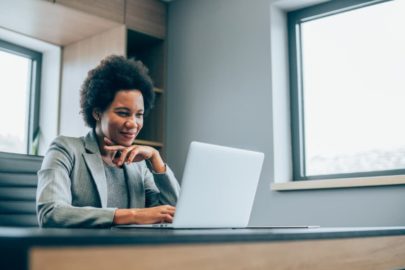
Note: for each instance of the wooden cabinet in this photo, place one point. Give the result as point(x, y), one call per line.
point(108, 9)
point(151, 51)
point(146, 30)
point(146, 16)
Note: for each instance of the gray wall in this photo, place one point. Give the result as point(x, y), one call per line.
point(219, 91)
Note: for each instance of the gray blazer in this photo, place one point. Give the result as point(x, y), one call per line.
point(72, 186)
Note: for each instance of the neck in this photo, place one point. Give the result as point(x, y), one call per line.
point(100, 140)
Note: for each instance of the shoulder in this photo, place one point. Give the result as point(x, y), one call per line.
point(64, 151)
point(68, 142)
point(70, 146)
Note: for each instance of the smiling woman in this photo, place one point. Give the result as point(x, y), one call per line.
point(83, 182)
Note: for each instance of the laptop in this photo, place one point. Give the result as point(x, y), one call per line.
point(218, 188)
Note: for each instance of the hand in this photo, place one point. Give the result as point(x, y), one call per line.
point(158, 214)
point(134, 153)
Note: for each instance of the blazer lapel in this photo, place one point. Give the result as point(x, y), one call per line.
point(95, 165)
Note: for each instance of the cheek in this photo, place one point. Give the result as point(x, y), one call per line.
point(109, 126)
point(104, 127)
point(140, 123)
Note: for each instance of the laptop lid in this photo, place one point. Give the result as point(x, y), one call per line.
point(218, 187)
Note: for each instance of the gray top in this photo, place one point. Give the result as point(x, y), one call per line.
point(72, 186)
point(117, 190)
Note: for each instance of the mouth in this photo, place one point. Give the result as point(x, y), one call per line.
point(128, 135)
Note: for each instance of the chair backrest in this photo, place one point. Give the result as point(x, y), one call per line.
point(18, 184)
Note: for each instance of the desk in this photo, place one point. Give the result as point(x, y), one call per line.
point(320, 248)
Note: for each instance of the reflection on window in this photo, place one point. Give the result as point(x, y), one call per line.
point(352, 85)
point(17, 98)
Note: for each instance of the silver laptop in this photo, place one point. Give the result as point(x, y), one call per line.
point(218, 188)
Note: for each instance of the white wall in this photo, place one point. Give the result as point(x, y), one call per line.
point(226, 86)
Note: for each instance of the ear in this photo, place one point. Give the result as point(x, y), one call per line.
point(96, 114)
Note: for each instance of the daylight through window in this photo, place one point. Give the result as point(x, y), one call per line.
point(348, 89)
point(19, 98)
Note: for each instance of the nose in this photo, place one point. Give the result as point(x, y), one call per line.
point(131, 123)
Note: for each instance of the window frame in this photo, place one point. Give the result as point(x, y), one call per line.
point(294, 20)
point(34, 91)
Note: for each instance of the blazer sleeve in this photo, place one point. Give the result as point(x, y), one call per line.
point(161, 188)
point(54, 197)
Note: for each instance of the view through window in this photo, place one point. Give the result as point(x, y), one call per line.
point(18, 68)
point(351, 92)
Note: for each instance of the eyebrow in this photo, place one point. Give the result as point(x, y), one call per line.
point(125, 108)
point(121, 108)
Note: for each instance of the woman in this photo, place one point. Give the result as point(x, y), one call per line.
point(104, 179)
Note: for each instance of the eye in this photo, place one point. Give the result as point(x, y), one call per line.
point(139, 115)
point(124, 114)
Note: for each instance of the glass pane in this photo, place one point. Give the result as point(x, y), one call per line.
point(354, 90)
point(14, 102)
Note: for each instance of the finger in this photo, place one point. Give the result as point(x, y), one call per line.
point(114, 147)
point(121, 159)
point(114, 150)
point(166, 207)
point(169, 207)
point(142, 154)
point(107, 141)
point(132, 155)
point(168, 212)
point(144, 151)
point(168, 218)
point(171, 213)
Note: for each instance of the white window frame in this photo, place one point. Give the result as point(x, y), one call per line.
point(283, 179)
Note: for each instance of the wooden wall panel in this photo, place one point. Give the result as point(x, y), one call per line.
point(50, 22)
point(109, 9)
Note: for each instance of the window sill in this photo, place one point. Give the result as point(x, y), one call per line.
point(340, 183)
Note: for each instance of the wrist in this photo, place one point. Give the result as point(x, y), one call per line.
point(125, 216)
point(157, 163)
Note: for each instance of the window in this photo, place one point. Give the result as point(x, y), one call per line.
point(347, 64)
point(20, 70)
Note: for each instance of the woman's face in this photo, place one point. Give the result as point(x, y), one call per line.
point(123, 119)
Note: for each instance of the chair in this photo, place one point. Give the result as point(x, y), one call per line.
point(18, 183)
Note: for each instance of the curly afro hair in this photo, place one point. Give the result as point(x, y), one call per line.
point(113, 74)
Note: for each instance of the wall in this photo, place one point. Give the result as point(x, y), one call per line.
point(221, 90)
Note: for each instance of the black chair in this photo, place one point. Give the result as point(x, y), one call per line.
point(18, 184)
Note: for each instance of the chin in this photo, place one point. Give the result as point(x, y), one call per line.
point(122, 140)
point(126, 142)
